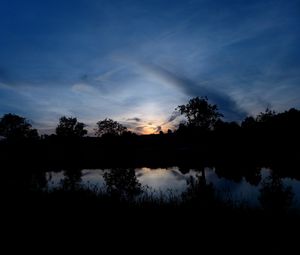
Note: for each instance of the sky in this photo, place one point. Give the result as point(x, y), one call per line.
point(136, 61)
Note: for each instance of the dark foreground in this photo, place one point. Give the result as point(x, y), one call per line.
point(201, 223)
point(77, 220)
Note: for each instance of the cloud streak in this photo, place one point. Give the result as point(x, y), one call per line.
point(135, 119)
point(191, 88)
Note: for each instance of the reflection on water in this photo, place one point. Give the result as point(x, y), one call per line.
point(164, 180)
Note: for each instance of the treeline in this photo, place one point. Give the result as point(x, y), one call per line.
point(204, 137)
point(200, 115)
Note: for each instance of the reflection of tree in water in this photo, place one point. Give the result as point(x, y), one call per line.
point(184, 169)
point(38, 181)
point(274, 196)
point(237, 172)
point(24, 180)
point(122, 183)
point(229, 171)
point(198, 191)
point(72, 179)
point(252, 174)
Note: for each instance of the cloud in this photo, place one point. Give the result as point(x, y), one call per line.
point(173, 117)
point(134, 119)
point(191, 88)
point(5, 86)
point(158, 129)
point(145, 129)
point(139, 129)
point(83, 88)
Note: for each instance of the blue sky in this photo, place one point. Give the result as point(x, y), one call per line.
point(135, 61)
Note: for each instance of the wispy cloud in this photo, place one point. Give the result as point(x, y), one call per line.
point(136, 119)
point(192, 88)
point(171, 119)
point(158, 129)
point(83, 88)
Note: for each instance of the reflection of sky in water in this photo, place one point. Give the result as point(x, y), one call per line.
point(163, 180)
point(296, 189)
point(92, 178)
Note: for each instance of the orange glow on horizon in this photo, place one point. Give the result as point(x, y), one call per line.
point(151, 129)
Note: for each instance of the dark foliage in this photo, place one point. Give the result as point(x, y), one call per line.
point(109, 127)
point(70, 127)
point(200, 113)
point(14, 127)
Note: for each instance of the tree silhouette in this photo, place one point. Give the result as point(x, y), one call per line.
point(70, 127)
point(226, 126)
point(169, 131)
point(109, 127)
point(15, 127)
point(266, 116)
point(200, 113)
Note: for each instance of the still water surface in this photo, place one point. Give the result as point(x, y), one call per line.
point(166, 180)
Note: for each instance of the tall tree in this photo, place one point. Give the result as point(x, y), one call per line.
point(70, 127)
point(266, 116)
point(109, 127)
point(200, 113)
point(15, 127)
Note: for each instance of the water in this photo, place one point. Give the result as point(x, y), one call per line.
point(173, 181)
